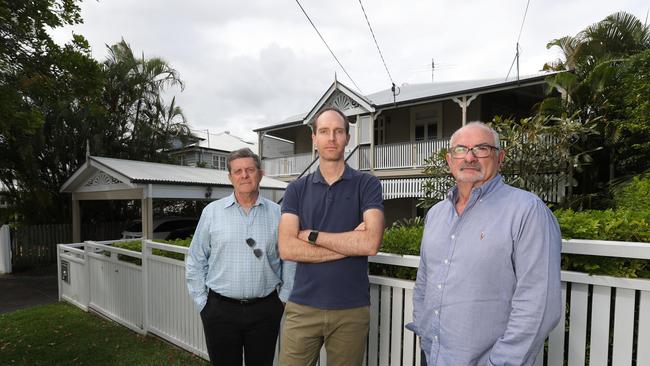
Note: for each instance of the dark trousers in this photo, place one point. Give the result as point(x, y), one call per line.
point(231, 327)
point(423, 359)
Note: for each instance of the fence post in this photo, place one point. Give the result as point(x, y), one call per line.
point(5, 249)
point(88, 277)
point(144, 247)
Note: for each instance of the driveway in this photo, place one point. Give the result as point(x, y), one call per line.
point(26, 289)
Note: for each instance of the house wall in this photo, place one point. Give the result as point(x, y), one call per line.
point(398, 126)
point(300, 135)
point(519, 103)
point(275, 148)
point(303, 140)
point(451, 118)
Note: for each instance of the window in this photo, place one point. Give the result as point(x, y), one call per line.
point(427, 122)
point(219, 162)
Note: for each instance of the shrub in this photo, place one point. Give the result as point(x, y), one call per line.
point(403, 238)
point(136, 246)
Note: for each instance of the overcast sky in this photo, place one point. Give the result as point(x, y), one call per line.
point(252, 63)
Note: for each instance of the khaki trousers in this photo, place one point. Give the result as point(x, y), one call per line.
point(306, 329)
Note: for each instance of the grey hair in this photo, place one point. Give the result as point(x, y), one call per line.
point(495, 134)
point(244, 153)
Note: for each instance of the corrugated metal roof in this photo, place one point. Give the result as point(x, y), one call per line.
point(146, 172)
point(410, 92)
point(416, 92)
point(222, 141)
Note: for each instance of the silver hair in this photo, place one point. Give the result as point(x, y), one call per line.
point(244, 153)
point(497, 141)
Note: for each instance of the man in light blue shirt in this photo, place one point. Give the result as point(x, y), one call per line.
point(234, 272)
point(488, 286)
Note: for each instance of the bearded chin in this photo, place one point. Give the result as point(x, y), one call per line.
point(470, 178)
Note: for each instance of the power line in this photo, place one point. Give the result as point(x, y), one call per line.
point(521, 28)
point(523, 20)
point(328, 47)
point(376, 44)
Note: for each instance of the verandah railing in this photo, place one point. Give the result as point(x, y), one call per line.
point(400, 155)
point(607, 319)
point(286, 166)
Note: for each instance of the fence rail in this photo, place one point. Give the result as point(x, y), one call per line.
point(152, 298)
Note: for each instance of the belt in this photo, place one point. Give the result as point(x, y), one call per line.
point(243, 301)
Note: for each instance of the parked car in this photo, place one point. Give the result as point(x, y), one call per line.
point(163, 228)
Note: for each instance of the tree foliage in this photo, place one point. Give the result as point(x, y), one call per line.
point(606, 82)
point(542, 156)
point(55, 100)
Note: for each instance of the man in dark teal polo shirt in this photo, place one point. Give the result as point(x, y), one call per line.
point(332, 220)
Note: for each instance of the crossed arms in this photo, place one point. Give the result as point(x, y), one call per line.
point(363, 241)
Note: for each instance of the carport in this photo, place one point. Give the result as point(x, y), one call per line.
point(119, 179)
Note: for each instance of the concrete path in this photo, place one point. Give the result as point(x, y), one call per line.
point(26, 289)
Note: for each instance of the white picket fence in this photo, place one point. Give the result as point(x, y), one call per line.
point(607, 322)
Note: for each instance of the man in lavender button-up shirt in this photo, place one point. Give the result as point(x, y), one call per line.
point(488, 285)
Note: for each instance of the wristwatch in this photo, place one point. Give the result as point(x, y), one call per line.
point(313, 236)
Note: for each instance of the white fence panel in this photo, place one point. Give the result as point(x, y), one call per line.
point(599, 341)
point(118, 290)
point(623, 327)
point(75, 287)
point(115, 286)
point(171, 311)
point(643, 352)
point(578, 324)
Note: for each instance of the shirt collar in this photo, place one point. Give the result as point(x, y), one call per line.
point(230, 200)
point(489, 186)
point(317, 177)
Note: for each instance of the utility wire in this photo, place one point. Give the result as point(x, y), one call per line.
point(521, 28)
point(376, 44)
point(522, 21)
point(328, 47)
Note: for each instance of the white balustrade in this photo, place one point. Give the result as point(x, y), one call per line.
point(286, 166)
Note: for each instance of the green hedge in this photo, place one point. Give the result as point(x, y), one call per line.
point(136, 246)
point(621, 225)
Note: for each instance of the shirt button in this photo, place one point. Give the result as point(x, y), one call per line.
point(439, 286)
point(435, 338)
point(446, 261)
point(436, 312)
point(453, 237)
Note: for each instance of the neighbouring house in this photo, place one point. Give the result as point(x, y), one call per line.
point(208, 150)
point(393, 133)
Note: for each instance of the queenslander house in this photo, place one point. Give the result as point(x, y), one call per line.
point(392, 133)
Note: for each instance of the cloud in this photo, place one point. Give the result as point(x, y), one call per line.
point(251, 63)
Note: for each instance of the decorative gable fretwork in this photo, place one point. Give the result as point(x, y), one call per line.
point(342, 102)
point(101, 179)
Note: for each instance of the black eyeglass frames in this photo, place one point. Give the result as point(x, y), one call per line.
point(251, 243)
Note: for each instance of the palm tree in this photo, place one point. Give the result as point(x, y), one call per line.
point(593, 59)
point(133, 97)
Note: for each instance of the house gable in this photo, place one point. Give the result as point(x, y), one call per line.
point(343, 98)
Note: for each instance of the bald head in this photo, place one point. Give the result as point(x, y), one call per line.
point(476, 126)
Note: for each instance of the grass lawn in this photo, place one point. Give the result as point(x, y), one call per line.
point(61, 334)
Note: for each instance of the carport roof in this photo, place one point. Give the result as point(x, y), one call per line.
point(132, 173)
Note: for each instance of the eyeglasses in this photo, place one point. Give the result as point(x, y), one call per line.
point(251, 243)
point(479, 151)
